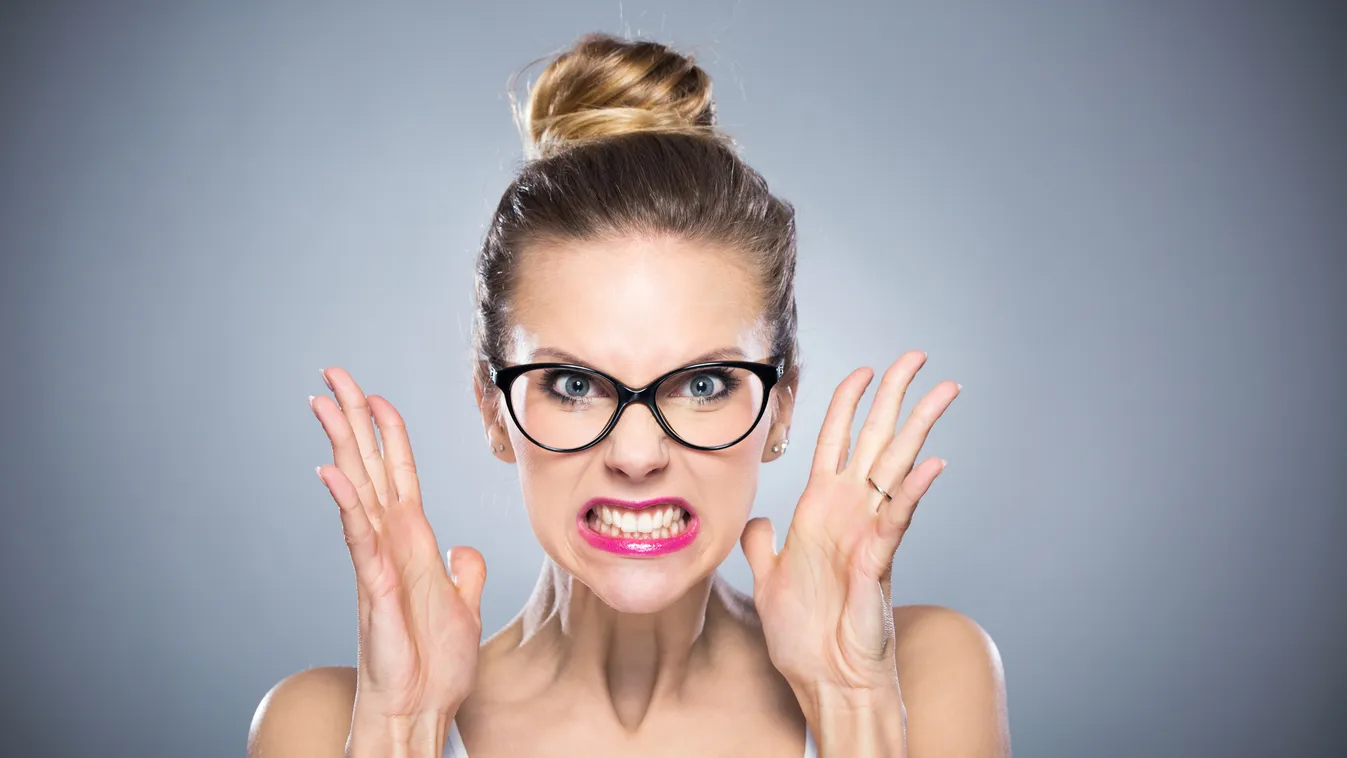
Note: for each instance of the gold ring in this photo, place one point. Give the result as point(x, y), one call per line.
point(879, 489)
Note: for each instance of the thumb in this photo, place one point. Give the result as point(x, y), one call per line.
point(759, 544)
point(467, 570)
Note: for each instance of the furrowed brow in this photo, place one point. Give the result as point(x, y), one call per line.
point(723, 354)
point(556, 353)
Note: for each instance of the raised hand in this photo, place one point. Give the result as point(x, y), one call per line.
point(824, 600)
point(419, 626)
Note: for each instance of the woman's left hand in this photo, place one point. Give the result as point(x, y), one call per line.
point(824, 599)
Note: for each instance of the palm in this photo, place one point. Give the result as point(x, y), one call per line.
point(419, 630)
point(420, 646)
point(824, 599)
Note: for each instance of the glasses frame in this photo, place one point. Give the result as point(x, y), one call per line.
point(770, 373)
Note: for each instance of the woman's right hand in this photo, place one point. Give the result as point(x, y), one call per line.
point(419, 626)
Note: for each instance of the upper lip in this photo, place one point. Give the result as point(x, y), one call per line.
point(635, 505)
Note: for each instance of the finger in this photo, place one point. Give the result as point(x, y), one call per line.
point(356, 408)
point(759, 544)
point(895, 516)
point(346, 453)
point(877, 431)
point(361, 538)
point(896, 460)
point(834, 437)
point(467, 570)
point(397, 457)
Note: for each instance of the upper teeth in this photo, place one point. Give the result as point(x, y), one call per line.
point(645, 520)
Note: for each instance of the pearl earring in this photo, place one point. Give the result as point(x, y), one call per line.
point(499, 448)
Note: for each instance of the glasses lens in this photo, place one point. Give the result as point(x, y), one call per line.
point(711, 406)
point(562, 408)
point(568, 408)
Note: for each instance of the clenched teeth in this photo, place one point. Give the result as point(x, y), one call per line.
point(658, 522)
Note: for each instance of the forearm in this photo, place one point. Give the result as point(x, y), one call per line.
point(401, 737)
point(857, 724)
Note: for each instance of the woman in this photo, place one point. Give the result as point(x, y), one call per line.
point(636, 328)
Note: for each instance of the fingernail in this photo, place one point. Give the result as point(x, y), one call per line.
point(323, 372)
point(311, 399)
point(924, 355)
point(319, 471)
point(943, 464)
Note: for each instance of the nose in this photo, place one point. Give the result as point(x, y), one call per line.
point(637, 447)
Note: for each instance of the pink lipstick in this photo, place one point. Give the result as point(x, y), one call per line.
point(638, 529)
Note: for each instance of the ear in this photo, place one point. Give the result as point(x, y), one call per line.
point(493, 418)
point(782, 409)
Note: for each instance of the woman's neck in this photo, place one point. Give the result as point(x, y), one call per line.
point(567, 631)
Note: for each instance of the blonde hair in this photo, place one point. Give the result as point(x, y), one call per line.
point(605, 86)
point(621, 140)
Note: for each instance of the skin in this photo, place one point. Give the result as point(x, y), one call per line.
point(613, 656)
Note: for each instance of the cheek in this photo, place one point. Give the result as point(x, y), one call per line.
point(728, 479)
point(550, 492)
point(547, 479)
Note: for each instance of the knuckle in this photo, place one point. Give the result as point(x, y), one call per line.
point(361, 479)
point(354, 539)
point(341, 435)
point(889, 458)
point(383, 587)
point(925, 413)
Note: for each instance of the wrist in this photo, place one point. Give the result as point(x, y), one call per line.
point(415, 735)
point(878, 691)
point(853, 721)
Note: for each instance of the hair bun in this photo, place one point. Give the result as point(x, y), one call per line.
point(605, 86)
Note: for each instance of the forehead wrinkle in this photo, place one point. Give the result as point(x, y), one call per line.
point(527, 349)
point(560, 355)
point(634, 308)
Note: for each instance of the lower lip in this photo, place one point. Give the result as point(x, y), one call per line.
point(636, 548)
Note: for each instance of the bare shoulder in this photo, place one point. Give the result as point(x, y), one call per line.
point(953, 683)
point(305, 715)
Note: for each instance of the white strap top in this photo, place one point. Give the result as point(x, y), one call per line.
point(453, 747)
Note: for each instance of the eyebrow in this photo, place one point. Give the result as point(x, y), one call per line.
point(721, 354)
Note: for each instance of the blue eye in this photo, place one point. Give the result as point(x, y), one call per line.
point(568, 384)
point(575, 385)
point(702, 385)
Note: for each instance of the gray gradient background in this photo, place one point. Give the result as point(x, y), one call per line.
point(1121, 227)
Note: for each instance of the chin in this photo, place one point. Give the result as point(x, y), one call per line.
point(636, 589)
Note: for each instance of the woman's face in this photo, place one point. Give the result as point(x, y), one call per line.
point(636, 309)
